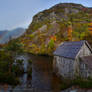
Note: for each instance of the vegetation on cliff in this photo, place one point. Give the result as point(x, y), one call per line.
point(50, 27)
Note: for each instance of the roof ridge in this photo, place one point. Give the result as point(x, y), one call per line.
point(69, 49)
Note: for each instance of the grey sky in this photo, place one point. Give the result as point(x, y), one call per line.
point(19, 13)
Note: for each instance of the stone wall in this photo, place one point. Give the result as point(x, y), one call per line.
point(71, 68)
point(64, 66)
point(84, 71)
point(84, 51)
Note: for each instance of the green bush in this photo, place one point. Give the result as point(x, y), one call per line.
point(30, 72)
point(51, 44)
point(31, 36)
point(11, 79)
point(8, 71)
point(14, 47)
point(82, 83)
point(43, 49)
point(8, 78)
point(30, 62)
point(17, 68)
point(81, 31)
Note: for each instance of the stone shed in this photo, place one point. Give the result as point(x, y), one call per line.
point(86, 66)
point(71, 59)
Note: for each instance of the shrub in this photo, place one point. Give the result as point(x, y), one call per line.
point(8, 70)
point(8, 78)
point(30, 61)
point(43, 49)
point(31, 36)
point(30, 68)
point(17, 68)
point(14, 47)
point(82, 83)
point(51, 44)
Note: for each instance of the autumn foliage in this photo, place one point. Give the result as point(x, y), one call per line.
point(70, 32)
point(53, 38)
point(90, 27)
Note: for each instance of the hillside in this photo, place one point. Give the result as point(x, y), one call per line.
point(50, 27)
point(2, 33)
point(15, 33)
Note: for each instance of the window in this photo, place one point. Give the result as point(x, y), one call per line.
point(84, 66)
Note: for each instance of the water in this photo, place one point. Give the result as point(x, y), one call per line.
point(42, 74)
point(43, 79)
point(25, 59)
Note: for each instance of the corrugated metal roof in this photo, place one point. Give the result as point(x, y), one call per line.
point(69, 49)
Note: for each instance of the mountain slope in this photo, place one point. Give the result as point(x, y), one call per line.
point(3, 32)
point(49, 27)
point(12, 34)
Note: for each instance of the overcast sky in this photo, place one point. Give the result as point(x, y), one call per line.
point(19, 13)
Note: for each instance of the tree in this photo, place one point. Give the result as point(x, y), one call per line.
point(14, 47)
point(6, 74)
point(88, 37)
point(80, 32)
point(51, 46)
point(17, 68)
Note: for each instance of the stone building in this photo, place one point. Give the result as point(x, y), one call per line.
point(73, 59)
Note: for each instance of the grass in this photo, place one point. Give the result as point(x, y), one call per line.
point(82, 83)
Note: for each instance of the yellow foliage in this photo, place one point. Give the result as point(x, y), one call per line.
point(90, 27)
point(53, 38)
point(90, 24)
point(90, 32)
point(70, 33)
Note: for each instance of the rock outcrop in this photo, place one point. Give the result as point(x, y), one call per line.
point(49, 27)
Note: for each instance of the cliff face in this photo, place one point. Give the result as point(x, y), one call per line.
point(49, 27)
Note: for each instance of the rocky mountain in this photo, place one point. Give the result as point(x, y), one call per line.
point(7, 35)
point(50, 27)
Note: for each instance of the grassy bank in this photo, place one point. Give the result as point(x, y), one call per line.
point(80, 82)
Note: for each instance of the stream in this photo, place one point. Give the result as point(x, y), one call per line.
point(42, 76)
point(23, 79)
